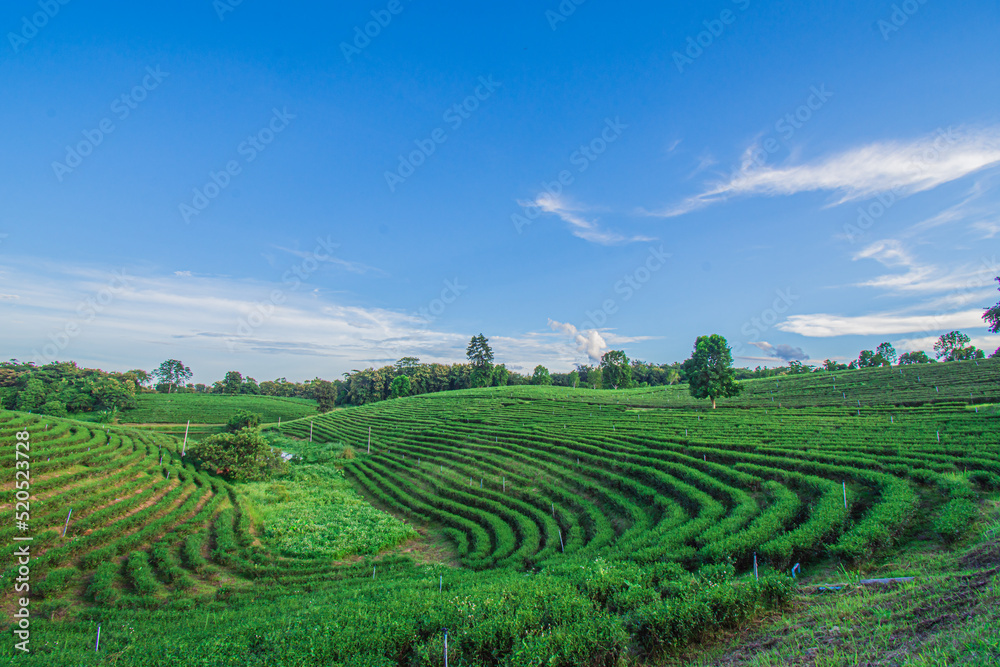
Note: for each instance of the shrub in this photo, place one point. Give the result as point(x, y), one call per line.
point(243, 419)
point(955, 519)
point(241, 456)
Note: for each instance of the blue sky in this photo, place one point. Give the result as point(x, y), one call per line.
point(265, 188)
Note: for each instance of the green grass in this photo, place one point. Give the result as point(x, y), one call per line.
point(316, 514)
point(177, 409)
point(583, 527)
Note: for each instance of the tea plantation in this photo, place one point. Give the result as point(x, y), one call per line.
point(543, 526)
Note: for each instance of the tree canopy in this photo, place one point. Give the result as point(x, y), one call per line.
point(244, 456)
point(954, 346)
point(616, 373)
point(172, 373)
point(541, 376)
point(710, 369)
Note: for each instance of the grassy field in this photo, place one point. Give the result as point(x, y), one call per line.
point(208, 413)
point(538, 526)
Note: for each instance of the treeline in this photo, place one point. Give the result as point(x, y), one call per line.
point(62, 387)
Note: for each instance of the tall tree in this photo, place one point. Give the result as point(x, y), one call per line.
point(480, 356)
point(954, 346)
point(232, 383)
point(615, 369)
point(172, 373)
point(541, 376)
point(710, 369)
point(887, 354)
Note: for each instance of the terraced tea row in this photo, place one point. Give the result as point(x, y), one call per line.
point(521, 482)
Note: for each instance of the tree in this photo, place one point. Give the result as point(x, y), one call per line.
point(407, 366)
point(673, 376)
point(573, 380)
point(595, 378)
point(480, 356)
point(172, 373)
point(479, 351)
point(32, 396)
point(868, 359)
point(710, 369)
point(541, 376)
point(243, 419)
point(501, 376)
point(954, 346)
point(916, 357)
point(798, 368)
point(887, 353)
point(615, 370)
point(244, 456)
point(325, 393)
point(992, 317)
point(832, 365)
point(400, 387)
point(232, 383)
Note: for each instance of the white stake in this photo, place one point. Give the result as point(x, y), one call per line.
point(845, 495)
point(369, 439)
point(310, 431)
point(67, 521)
point(97, 644)
point(184, 446)
point(561, 545)
point(373, 571)
point(445, 648)
point(755, 575)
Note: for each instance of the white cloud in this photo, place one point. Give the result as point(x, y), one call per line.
point(822, 325)
point(216, 324)
point(182, 274)
point(587, 230)
point(589, 342)
point(902, 167)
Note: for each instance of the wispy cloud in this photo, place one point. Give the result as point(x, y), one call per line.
point(588, 230)
point(902, 167)
point(823, 325)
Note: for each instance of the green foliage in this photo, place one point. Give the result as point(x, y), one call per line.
point(400, 387)
point(172, 374)
point(102, 585)
point(55, 582)
point(709, 370)
point(954, 346)
point(573, 380)
point(616, 372)
point(915, 357)
point(992, 317)
point(322, 517)
point(886, 353)
point(241, 456)
point(541, 376)
point(243, 419)
point(479, 352)
point(956, 518)
point(54, 409)
point(232, 383)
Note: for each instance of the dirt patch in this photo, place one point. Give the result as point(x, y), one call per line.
point(981, 557)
